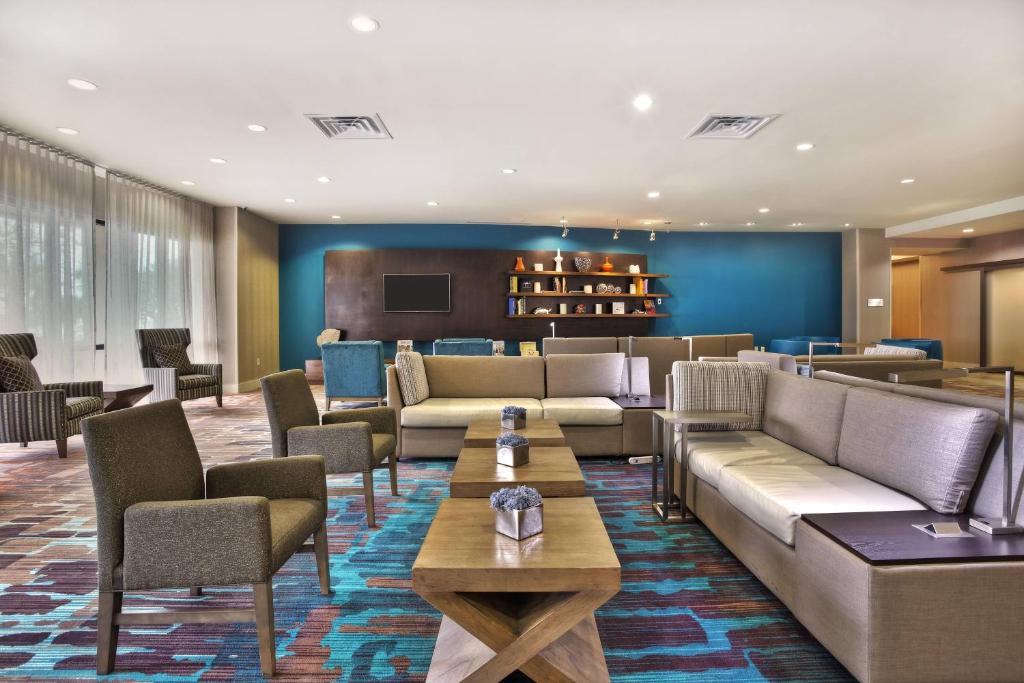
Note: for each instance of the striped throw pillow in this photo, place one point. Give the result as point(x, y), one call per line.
point(412, 377)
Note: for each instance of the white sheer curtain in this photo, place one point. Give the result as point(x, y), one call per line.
point(46, 256)
point(160, 273)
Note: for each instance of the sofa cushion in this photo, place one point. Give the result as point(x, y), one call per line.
point(562, 345)
point(775, 496)
point(591, 374)
point(641, 384)
point(710, 452)
point(485, 376)
point(734, 343)
point(735, 387)
point(884, 350)
point(805, 413)
point(459, 412)
point(853, 381)
point(412, 377)
point(707, 345)
point(582, 410)
point(196, 381)
point(928, 449)
point(77, 406)
point(661, 353)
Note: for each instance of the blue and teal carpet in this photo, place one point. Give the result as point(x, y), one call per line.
point(688, 610)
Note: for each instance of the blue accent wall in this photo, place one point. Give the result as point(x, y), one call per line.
point(770, 284)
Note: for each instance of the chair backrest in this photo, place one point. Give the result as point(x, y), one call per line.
point(136, 455)
point(290, 403)
point(167, 336)
point(354, 369)
point(19, 344)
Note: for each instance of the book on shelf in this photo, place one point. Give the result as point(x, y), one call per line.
point(403, 345)
point(499, 347)
point(513, 283)
point(511, 306)
point(649, 307)
point(528, 348)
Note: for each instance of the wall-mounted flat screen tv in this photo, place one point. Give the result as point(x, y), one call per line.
point(417, 293)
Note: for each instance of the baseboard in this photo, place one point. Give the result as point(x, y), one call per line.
point(246, 387)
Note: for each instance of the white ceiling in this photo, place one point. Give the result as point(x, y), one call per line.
point(886, 89)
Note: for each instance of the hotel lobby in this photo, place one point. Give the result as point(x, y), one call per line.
point(484, 341)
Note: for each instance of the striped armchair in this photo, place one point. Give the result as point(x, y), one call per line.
point(200, 381)
point(54, 413)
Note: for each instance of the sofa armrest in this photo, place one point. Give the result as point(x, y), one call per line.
point(382, 420)
point(300, 476)
point(33, 415)
point(215, 369)
point(175, 544)
point(345, 447)
point(78, 389)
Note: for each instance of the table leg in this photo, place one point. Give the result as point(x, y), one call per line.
point(654, 462)
point(684, 510)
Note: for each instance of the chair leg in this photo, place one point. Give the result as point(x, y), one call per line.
point(220, 400)
point(195, 591)
point(328, 399)
point(393, 470)
point(263, 595)
point(323, 559)
point(62, 448)
point(107, 631)
point(24, 444)
point(368, 494)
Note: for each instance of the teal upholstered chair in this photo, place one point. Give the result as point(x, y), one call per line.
point(798, 346)
point(464, 346)
point(354, 370)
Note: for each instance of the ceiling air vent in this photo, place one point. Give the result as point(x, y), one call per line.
point(369, 127)
point(731, 126)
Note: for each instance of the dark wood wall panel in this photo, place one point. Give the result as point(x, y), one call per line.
point(353, 295)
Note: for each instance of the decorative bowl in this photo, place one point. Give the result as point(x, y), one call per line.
point(602, 288)
point(618, 289)
point(582, 264)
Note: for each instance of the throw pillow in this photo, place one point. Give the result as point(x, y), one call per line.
point(412, 377)
point(17, 374)
point(173, 356)
point(884, 350)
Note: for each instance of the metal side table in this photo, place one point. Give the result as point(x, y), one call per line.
point(668, 506)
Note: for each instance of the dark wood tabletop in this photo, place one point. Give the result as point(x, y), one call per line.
point(888, 538)
point(649, 402)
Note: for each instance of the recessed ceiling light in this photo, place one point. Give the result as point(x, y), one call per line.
point(653, 194)
point(751, 224)
point(67, 131)
point(82, 84)
point(431, 203)
point(364, 24)
point(336, 217)
point(323, 179)
point(805, 147)
point(508, 171)
point(968, 230)
point(217, 160)
point(907, 181)
point(846, 225)
point(763, 209)
point(643, 102)
point(703, 224)
point(796, 225)
point(257, 128)
point(190, 183)
point(289, 200)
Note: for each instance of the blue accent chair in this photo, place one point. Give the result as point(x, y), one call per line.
point(354, 370)
point(798, 346)
point(933, 347)
point(464, 346)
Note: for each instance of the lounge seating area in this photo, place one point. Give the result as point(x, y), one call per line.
point(507, 342)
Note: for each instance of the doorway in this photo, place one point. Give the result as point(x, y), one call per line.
point(1004, 317)
point(906, 297)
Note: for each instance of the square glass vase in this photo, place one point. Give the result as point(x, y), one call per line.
point(519, 524)
point(513, 422)
point(513, 456)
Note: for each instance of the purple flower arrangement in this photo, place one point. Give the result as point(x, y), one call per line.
point(513, 411)
point(518, 512)
point(511, 440)
point(519, 498)
point(513, 417)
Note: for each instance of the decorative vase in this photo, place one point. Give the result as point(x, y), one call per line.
point(519, 524)
point(513, 456)
point(520, 266)
point(607, 266)
point(513, 422)
point(558, 260)
point(582, 264)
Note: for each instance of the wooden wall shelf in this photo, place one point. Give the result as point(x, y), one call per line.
point(620, 316)
point(580, 295)
point(592, 273)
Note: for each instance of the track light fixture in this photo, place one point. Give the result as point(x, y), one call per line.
point(615, 235)
point(565, 227)
point(653, 236)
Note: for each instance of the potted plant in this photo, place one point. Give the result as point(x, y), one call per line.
point(513, 417)
point(518, 512)
point(513, 449)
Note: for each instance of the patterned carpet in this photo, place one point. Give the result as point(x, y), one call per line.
point(688, 611)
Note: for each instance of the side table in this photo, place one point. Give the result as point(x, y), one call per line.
point(121, 396)
point(670, 506)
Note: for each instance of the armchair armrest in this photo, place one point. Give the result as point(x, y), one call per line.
point(382, 420)
point(345, 447)
point(174, 544)
point(215, 369)
point(78, 389)
point(300, 476)
point(33, 415)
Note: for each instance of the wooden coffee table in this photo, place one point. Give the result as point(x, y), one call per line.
point(526, 605)
point(552, 470)
point(121, 396)
point(540, 432)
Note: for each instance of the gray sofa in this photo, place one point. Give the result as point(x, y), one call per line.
point(845, 444)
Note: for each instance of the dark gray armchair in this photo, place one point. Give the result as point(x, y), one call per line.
point(358, 440)
point(200, 380)
point(160, 526)
point(53, 413)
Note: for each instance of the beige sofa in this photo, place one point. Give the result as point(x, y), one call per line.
point(574, 390)
point(844, 444)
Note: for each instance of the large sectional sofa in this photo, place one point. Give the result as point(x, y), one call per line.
point(838, 444)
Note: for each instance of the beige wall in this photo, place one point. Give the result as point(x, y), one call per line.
point(1005, 317)
point(866, 275)
point(247, 297)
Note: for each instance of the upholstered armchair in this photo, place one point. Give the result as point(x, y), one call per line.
point(54, 412)
point(354, 370)
point(159, 526)
point(350, 440)
point(197, 380)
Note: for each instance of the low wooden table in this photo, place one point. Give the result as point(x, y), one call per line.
point(540, 432)
point(552, 470)
point(121, 396)
point(526, 605)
